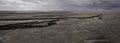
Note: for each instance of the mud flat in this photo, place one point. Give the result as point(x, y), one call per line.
point(60, 28)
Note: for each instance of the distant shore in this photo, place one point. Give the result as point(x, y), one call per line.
point(34, 12)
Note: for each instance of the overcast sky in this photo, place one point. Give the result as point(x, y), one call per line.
point(60, 5)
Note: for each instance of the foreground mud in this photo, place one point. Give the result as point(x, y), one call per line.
point(71, 28)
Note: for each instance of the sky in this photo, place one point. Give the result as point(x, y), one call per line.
point(59, 5)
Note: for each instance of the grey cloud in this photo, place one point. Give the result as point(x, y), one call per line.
point(64, 5)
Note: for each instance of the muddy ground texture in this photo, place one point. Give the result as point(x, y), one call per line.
point(60, 28)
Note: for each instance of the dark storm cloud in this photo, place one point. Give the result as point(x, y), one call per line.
point(64, 5)
point(105, 5)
